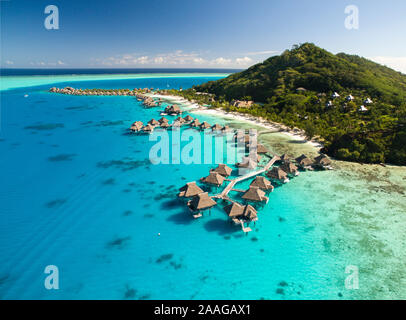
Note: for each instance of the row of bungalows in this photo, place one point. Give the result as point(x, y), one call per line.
point(319, 162)
point(96, 92)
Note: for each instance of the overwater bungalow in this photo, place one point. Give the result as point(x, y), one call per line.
point(137, 126)
point(223, 169)
point(322, 161)
point(304, 162)
point(163, 120)
point(148, 128)
point(255, 194)
point(278, 174)
point(261, 149)
point(165, 125)
point(180, 120)
point(250, 213)
point(262, 183)
point(216, 127)
point(188, 118)
point(290, 168)
point(201, 202)
point(205, 126)
point(195, 123)
point(225, 129)
point(234, 210)
point(153, 122)
point(173, 110)
point(191, 189)
point(213, 178)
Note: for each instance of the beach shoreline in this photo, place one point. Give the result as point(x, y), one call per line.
point(260, 122)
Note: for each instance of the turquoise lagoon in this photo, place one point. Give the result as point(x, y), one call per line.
point(80, 193)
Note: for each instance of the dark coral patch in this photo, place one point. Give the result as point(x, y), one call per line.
point(164, 257)
point(46, 126)
point(55, 203)
point(118, 242)
point(62, 157)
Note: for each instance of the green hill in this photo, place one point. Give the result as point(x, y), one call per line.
point(373, 136)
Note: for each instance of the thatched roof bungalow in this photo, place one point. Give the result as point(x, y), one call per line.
point(277, 174)
point(234, 210)
point(255, 194)
point(195, 123)
point(205, 125)
point(290, 168)
point(191, 189)
point(322, 161)
point(201, 202)
point(213, 178)
point(223, 169)
point(262, 183)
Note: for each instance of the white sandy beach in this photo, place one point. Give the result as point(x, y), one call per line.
point(198, 109)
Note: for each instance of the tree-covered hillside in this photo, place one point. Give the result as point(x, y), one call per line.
point(375, 135)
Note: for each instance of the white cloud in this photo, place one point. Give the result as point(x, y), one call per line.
point(9, 62)
point(244, 61)
point(268, 52)
point(177, 58)
point(396, 63)
point(61, 63)
point(221, 61)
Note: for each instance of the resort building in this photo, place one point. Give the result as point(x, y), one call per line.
point(349, 98)
point(242, 104)
point(335, 95)
point(362, 109)
point(367, 101)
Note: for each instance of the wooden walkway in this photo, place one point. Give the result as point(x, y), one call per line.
point(230, 186)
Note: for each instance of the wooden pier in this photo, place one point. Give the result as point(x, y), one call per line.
point(230, 186)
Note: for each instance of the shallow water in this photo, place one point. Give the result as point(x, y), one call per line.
point(79, 193)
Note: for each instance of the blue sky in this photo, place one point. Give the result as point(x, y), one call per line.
point(194, 33)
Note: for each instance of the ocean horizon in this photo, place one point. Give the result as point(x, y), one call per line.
point(80, 193)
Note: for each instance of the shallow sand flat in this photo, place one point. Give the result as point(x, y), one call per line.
point(358, 211)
